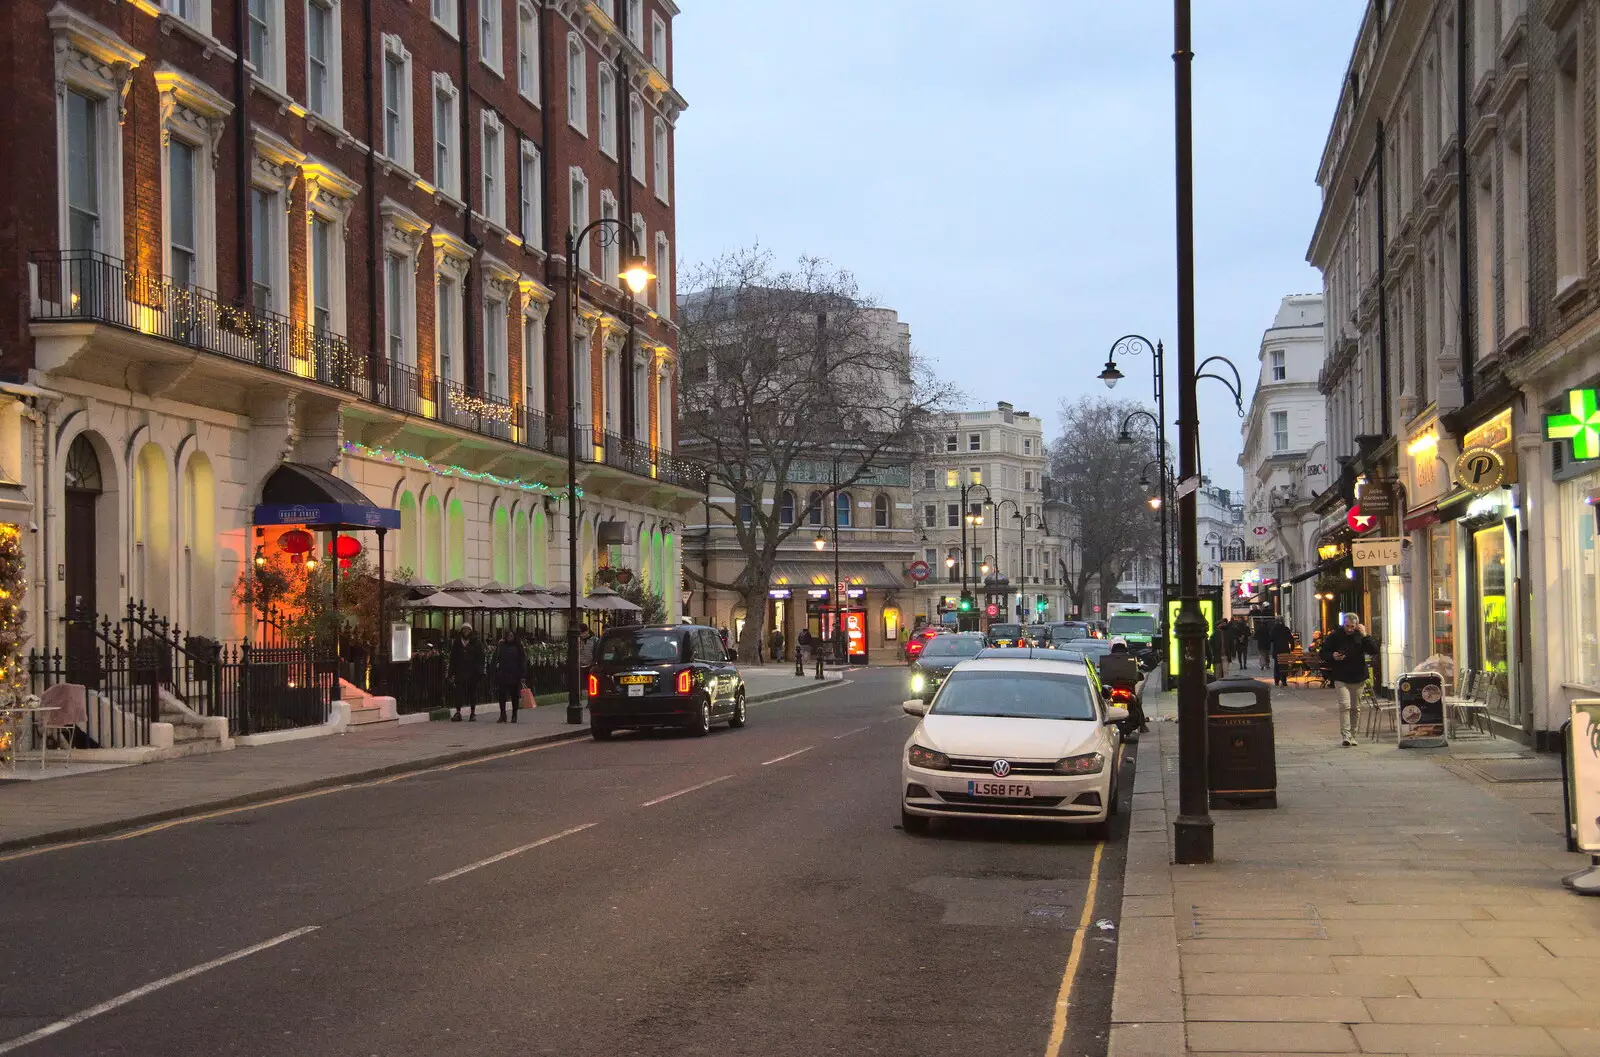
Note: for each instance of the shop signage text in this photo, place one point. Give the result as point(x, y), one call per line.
point(1580, 424)
point(1494, 433)
point(1375, 552)
point(1481, 470)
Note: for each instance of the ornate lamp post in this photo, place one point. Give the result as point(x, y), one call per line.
point(637, 276)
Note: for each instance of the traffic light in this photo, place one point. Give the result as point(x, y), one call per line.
point(965, 605)
point(1041, 603)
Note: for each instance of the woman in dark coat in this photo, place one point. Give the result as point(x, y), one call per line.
point(507, 670)
point(466, 670)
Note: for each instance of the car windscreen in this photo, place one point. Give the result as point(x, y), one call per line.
point(1014, 695)
point(1068, 633)
point(952, 646)
point(1133, 624)
point(641, 647)
point(1089, 649)
point(1005, 631)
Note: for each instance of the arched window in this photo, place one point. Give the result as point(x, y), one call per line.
point(880, 512)
point(786, 508)
point(843, 503)
point(814, 509)
point(746, 512)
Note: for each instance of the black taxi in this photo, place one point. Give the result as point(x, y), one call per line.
point(663, 675)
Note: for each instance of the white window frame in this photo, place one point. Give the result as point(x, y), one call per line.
point(606, 104)
point(578, 211)
point(1280, 437)
point(403, 234)
point(635, 21)
point(641, 395)
point(192, 111)
point(1514, 263)
point(535, 309)
point(1278, 366)
point(333, 112)
point(273, 68)
point(330, 196)
point(1571, 241)
point(663, 275)
point(530, 195)
point(403, 151)
point(636, 145)
point(611, 382)
point(528, 52)
point(195, 12)
point(664, 406)
point(583, 383)
point(275, 167)
point(452, 258)
point(578, 84)
point(658, 43)
point(496, 346)
point(95, 62)
point(492, 163)
point(491, 36)
point(1488, 263)
point(447, 182)
point(445, 15)
point(611, 244)
point(269, 229)
point(659, 157)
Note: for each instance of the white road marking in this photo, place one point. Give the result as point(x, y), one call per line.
point(789, 756)
point(139, 992)
point(847, 733)
point(491, 860)
point(692, 788)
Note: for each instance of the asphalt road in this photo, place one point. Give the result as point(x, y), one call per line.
point(746, 893)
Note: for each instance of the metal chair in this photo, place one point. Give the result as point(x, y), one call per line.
point(1382, 718)
point(68, 709)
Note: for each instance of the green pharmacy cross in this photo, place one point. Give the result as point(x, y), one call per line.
point(1580, 424)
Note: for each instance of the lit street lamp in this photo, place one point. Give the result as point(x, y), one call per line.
point(637, 276)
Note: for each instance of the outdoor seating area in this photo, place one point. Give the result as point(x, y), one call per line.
point(1467, 711)
point(1302, 667)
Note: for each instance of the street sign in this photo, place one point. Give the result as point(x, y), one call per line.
point(1358, 521)
point(1186, 486)
point(918, 570)
point(992, 610)
point(1097, 609)
point(1374, 552)
point(1261, 530)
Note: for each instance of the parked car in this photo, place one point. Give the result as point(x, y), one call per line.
point(918, 639)
point(1013, 739)
point(674, 675)
point(942, 653)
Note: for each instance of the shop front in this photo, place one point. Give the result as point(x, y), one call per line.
point(862, 607)
point(1430, 590)
point(1567, 647)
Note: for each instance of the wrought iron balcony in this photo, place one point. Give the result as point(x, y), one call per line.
point(90, 287)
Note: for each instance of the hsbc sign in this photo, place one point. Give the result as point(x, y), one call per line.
point(1261, 530)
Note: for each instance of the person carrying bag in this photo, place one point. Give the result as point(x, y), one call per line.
point(508, 669)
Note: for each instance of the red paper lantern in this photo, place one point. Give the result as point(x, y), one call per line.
point(347, 547)
point(296, 541)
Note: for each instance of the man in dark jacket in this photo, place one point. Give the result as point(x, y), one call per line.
point(466, 670)
point(1344, 656)
point(1282, 643)
point(1264, 643)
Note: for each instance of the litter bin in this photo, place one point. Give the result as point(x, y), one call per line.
point(1241, 763)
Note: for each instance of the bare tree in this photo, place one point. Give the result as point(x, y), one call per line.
point(790, 382)
point(1098, 477)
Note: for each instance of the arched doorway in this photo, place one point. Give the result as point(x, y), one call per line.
point(84, 484)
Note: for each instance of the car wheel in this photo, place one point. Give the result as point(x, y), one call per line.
point(1113, 795)
point(916, 825)
point(599, 732)
point(737, 720)
point(700, 726)
point(1098, 831)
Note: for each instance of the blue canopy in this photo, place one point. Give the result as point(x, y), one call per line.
point(297, 494)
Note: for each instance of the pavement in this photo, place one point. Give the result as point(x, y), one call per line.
point(746, 893)
point(105, 800)
point(1395, 902)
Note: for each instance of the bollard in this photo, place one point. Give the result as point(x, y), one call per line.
point(799, 663)
point(819, 666)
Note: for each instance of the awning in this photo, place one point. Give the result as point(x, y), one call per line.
point(298, 494)
point(820, 574)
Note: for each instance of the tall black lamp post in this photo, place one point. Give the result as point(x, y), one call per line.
point(837, 593)
point(1126, 437)
point(975, 520)
point(637, 276)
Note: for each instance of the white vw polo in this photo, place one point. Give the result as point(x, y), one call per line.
point(1013, 739)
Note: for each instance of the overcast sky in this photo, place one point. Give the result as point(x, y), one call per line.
point(1006, 183)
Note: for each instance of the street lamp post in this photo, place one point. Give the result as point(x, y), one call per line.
point(637, 276)
point(1125, 437)
point(967, 518)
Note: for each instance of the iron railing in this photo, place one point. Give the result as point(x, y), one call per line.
point(83, 285)
point(121, 680)
point(96, 287)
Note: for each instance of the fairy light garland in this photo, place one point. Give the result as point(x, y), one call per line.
point(398, 457)
point(493, 410)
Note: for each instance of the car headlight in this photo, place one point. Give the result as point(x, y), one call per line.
point(919, 682)
point(918, 756)
point(1088, 763)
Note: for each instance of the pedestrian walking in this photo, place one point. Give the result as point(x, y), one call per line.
point(775, 643)
point(507, 671)
point(466, 671)
point(1241, 642)
point(1264, 643)
point(1344, 652)
point(1282, 646)
point(802, 643)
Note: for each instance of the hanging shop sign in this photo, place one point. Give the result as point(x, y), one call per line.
point(1480, 470)
point(1579, 424)
point(1367, 553)
point(1583, 779)
point(1359, 521)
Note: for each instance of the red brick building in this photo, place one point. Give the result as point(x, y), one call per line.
point(332, 232)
